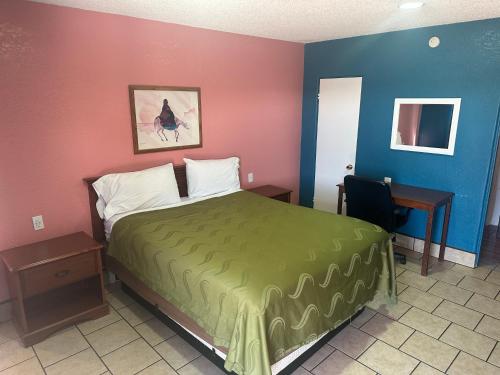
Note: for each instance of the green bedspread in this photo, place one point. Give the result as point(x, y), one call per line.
point(262, 277)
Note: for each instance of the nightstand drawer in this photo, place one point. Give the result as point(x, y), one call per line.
point(56, 274)
point(273, 192)
point(283, 197)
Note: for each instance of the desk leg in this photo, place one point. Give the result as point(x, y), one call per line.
point(339, 202)
point(427, 244)
point(444, 233)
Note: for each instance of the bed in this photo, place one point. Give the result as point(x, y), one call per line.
point(256, 280)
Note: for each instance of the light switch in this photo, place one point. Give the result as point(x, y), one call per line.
point(250, 177)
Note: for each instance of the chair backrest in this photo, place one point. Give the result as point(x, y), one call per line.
point(370, 200)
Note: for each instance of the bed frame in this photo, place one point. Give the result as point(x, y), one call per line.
point(164, 310)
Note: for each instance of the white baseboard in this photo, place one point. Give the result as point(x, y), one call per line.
point(453, 255)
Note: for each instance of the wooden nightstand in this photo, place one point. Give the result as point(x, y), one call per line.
point(53, 284)
point(273, 192)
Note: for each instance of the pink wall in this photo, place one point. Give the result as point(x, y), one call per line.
point(65, 109)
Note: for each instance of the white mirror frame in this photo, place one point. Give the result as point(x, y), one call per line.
point(433, 150)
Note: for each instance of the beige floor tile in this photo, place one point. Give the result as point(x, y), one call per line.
point(489, 327)
point(112, 287)
point(413, 265)
point(5, 311)
point(424, 322)
point(447, 275)
point(154, 331)
point(450, 292)
point(468, 341)
point(495, 356)
point(200, 366)
point(96, 324)
point(351, 341)
point(13, 352)
point(340, 364)
point(83, 363)
point(177, 352)
point(7, 332)
point(400, 287)
point(423, 369)
point(440, 265)
point(465, 364)
point(422, 300)
point(489, 263)
point(485, 305)
point(479, 272)
point(458, 314)
point(318, 357)
point(362, 318)
point(119, 299)
point(131, 358)
point(394, 311)
point(301, 371)
point(398, 270)
point(135, 314)
point(60, 345)
point(29, 367)
point(385, 359)
point(416, 280)
point(158, 368)
point(112, 337)
point(479, 286)
point(387, 330)
point(431, 351)
point(494, 277)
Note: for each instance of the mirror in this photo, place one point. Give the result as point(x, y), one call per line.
point(425, 125)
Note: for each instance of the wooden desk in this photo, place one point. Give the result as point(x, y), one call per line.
point(422, 199)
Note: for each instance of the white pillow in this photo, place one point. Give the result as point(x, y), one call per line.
point(206, 177)
point(124, 192)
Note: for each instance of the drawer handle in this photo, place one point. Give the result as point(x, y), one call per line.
point(61, 273)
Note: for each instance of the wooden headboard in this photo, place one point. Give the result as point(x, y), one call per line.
point(98, 223)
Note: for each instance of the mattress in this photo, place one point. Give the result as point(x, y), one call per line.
point(261, 277)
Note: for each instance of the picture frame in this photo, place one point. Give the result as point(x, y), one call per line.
point(165, 118)
point(411, 125)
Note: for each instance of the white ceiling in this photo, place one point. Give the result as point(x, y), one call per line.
point(295, 20)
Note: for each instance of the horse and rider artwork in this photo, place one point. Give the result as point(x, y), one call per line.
point(165, 118)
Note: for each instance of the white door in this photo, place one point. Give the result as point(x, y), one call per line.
point(338, 116)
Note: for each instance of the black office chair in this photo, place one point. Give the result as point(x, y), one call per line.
point(371, 201)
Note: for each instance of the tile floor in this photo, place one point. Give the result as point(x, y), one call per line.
point(448, 322)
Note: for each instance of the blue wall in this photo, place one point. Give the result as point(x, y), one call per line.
point(400, 64)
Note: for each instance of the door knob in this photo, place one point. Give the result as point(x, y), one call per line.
point(348, 166)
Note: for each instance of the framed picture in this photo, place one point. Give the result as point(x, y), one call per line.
point(165, 118)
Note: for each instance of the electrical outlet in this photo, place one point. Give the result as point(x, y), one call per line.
point(250, 177)
point(38, 222)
